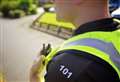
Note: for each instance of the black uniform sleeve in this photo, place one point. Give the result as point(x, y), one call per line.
point(78, 66)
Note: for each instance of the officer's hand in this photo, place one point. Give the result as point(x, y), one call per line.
point(36, 68)
point(38, 64)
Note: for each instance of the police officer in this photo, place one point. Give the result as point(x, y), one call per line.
point(92, 54)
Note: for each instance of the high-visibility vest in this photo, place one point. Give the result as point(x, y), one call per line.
point(104, 45)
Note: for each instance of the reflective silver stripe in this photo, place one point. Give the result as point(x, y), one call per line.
point(106, 47)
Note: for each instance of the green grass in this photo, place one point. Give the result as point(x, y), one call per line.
point(50, 18)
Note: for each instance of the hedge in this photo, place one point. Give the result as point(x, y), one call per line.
point(7, 7)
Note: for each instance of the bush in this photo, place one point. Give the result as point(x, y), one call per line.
point(36, 2)
point(17, 8)
point(28, 7)
point(24, 5)
point(16, 13)
point(6, 6)
point(1, 14)
point(32, 9)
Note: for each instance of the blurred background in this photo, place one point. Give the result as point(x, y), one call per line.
point(24, 26)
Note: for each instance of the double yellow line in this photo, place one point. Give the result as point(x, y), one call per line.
point(2, 78)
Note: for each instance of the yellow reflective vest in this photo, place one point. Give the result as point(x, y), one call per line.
point(105, 45)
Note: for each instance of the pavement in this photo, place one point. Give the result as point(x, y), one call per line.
point(19, 45)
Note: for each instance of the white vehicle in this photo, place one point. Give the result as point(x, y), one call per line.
point(116, 13)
